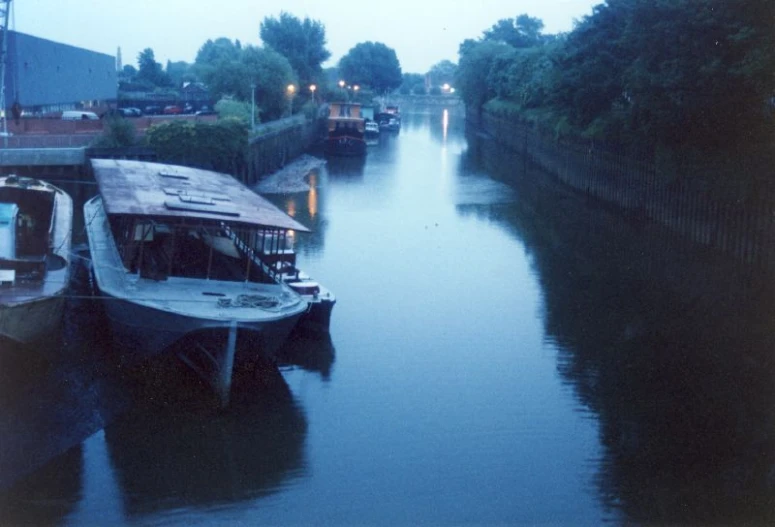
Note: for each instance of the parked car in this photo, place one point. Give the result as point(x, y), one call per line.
point(114, 112)
point(79, 115)
point(153, 110)
point(205, 110)
point(188, 108)
point(133, 112)
point(172, 110)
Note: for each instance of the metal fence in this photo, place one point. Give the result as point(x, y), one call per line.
point(740, 226)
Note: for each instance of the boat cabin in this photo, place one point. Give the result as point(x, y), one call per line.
point(190, 223)
point(26, 226)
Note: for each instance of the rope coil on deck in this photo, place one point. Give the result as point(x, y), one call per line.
point(260, 301)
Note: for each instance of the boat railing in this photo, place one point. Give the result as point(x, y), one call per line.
point(265, 261)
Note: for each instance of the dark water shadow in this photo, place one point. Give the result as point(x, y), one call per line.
point(668, 344)
point(343, 168)
point(48, 495)
point(59, 392)
point(176, 449)
point(310, 351)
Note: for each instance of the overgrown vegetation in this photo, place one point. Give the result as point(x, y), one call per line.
point(219, 146)
point(663, 76)
point(117, 133)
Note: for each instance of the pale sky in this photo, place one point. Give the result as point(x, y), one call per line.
point(422, 32)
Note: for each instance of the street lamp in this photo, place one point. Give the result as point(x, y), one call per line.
point(291, 89)
point(341, 87)
point(312, 89)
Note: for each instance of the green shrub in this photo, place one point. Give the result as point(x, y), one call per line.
point(117, 133)
point(219, 146)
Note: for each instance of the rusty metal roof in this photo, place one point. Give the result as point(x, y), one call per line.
point(141, 188)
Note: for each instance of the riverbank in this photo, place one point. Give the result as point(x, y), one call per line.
point(735, 223)
point(293, 177)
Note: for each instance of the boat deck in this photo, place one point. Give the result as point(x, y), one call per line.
point(192, 296)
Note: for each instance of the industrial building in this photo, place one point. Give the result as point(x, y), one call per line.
point(43, 76)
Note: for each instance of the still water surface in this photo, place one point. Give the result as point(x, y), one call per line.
point(502, 351)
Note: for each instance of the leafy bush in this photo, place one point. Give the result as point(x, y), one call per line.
point(219, 146)
point(229, 108)
point(117, 133)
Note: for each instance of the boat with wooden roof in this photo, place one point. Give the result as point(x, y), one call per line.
point(180, 257)
point(36, 220)
point(346, 129)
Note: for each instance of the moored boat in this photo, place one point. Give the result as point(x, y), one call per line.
point(36, 220)
point(346, 129)
point(176, 254)
point(371, 134)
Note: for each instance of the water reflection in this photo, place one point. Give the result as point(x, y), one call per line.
point(48, 495)
point(349, 169)
point(175, 452)
point(670, 346)
point(312, 352)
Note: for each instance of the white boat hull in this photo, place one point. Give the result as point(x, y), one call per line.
point(148, 316)
point(142, 331)
point(32, 310)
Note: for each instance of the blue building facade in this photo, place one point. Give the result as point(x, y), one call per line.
point(44, 76)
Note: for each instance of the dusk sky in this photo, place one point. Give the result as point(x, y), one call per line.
point(422, 33)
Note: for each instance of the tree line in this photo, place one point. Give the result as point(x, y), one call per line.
point(649, 74)
point(292, 53)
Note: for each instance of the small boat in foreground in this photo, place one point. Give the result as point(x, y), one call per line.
point(346, 129)
point(36, 220)
point(180, 256)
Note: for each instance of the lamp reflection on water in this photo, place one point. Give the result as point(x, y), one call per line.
point(312, 197)
point(290, 208)
point(445, 124)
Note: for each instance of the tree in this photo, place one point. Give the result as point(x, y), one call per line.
point(372, 64)
point(149, 70)
point(443, 73)
point(128, 72)
point(521, 32)
point(302, 42)
point(179, 72)
point(271, 73)
point(217, 50)
point(475, 66)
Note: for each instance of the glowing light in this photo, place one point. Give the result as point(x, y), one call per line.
point(291, 88)
point(312, 197)
point(445, 123)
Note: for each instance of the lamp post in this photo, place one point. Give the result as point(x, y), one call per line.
point(341, 87)
point(291, 89)
point(312, 89)
point(253, 106)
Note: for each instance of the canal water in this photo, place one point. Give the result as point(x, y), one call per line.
point(502, 351)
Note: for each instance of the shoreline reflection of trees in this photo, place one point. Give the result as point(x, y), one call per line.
point(671, 347)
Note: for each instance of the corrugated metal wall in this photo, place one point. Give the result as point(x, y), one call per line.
point(42, 73)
